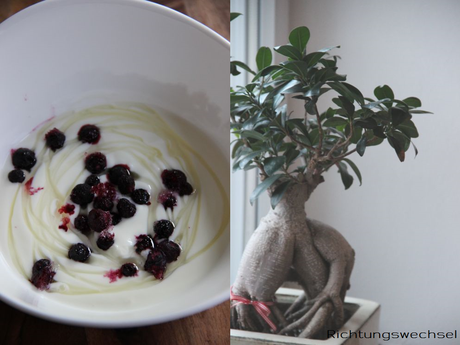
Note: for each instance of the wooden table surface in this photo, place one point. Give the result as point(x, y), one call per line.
point(209, 327)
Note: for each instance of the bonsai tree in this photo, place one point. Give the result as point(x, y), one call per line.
point(292, 152)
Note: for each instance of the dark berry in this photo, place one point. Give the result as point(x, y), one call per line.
point(102, 203)
point(140, 197)
point(79, 252)
point(143, 242)
point(126, 184)
point(92, 180)
point(173, 179)
point(170, 249)
point(105, 240)
point(89, 134)
point(95, 163)
point(167, 199)
point(129, 270)
point(105, 190)
point(116, 218)
point(186, 189)
point(116, 172)
point(81, 194)
point(163, 228)
point(156, 263)
point(81, 223)
point(55, 139)
point(16, 176)
point(126, 209)
point(24, 159)
point(42, 274)
point(99, 220)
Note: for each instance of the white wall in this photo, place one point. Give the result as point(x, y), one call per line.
point(404, 220)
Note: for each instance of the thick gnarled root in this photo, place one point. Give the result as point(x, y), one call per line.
point(315, 314)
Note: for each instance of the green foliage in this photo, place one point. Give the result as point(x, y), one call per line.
point(289, 149)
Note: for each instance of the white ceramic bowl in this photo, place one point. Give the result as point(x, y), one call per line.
point(62, 55)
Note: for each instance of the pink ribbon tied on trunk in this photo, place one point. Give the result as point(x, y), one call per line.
point(261, 307)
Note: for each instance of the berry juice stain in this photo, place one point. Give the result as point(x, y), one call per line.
point(67, 208)
point(114, 275)
point(31, 190)
point(65, 224)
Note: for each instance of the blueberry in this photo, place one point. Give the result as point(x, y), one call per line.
point(105, 240)
point(79, 252)
point(129, 270)
point(116, 218)
point(167, 199)
point(16, 176)
point(89, 134)
point(92, 180)
point(156, 263)
point(99, 220)
point(126, 209)
point(95, 163)
point(55, 139)
point(163, 228)
point(173, 179)
point(24, 159)
point(81, 223)
point(126, 184)
point(140, 197)
point(102, 203)
point(42, 274)
point(143, 242)
point(186, 189)
point(116, 172)
point(170, 249)
point(81, 194)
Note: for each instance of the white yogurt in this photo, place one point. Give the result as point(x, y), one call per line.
point(134, 135)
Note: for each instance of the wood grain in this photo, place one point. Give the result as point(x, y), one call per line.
point(209, 327)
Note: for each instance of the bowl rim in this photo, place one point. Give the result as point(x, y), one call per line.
point(173, 14)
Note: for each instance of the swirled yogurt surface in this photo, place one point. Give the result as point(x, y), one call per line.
point(133, 135)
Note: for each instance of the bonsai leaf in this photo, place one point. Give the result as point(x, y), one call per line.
point(409, 129)
point(289, 51)
point(237, 145)
point(335, 122)
point(273, 164)
point(412, 111)
point(263, 58)
point(263, 186)
point(361, 145)
point(348, 106)
point(234, 15)
point(233, 70)
point(248, 159)
point(342, 90)
point(299, 37)
point(355, 170)
point(399, 142)
point(253, 135)
point(399, 115)
point(242, 65)
point(384, 91)
point(347, 179)
point(291, 155)
point(357, 95)
point(413, 102)
point(279, 192)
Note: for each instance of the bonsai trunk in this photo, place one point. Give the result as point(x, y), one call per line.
point(320, 257)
